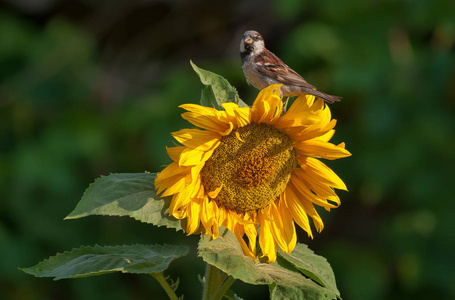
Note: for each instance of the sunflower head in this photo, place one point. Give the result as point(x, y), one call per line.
point(253, 166)
point(249, 168)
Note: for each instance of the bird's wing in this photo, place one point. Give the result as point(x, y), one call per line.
point(275, 68)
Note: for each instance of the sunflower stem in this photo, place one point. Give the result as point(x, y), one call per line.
point(223, 277)
point(224, 287)
point(165, 285)
point(209, 282)
point(216, 283)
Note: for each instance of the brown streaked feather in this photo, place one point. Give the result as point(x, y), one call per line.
point(278, 70)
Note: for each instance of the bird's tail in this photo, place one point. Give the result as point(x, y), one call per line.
point(327, 98)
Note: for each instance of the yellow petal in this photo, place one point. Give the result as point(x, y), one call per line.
point(195, 171)
point(210, 118)
point(203, 110)
point(289, 233)
point(192, 157)
point(327, 136)
point(171, 186)
point(320, 188)
point(214, 194)
point(170, 176)
point(184, 197)
point(298, 114)
point(318, 108)
point(208, 218)
point(179, 201)
point(172, 170)
point(202, 140)
point(305, 190)
point(277, 226)
point(252, 233)
point(180, 214)
point(325, 113)
point(174, 152)
point(316, 148)
point(297, 212)
point(316, 169)
point(237, 135)
point(299, 134)
point(266, 240)
point(239, 232)
point(265, 106)
point(207, 122)
point(309, 99)
point(243, 116)
point(229, 112)
point(193, 218)
point(276, 107)
point(228, 219)
point(307, 205)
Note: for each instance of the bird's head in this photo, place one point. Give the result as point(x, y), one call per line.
point(252, 42)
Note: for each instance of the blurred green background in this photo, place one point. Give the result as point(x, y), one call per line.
point(89, 88)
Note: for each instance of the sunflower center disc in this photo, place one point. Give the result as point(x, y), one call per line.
point(253, 170)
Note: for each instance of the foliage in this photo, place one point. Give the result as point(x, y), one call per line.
point(218, 88)
point(283, 276)
point(97, 260)
point(130, 195)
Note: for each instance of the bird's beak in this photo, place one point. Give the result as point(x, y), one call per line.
point(248, 40)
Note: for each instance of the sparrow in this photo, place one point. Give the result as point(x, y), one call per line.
point(263, 68)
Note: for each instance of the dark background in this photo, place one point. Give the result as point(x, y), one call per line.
point(89, 88)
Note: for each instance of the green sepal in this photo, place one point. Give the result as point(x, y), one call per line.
point(126, 194)
point(90, 261)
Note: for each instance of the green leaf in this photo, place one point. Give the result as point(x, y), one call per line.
point(91, 261)
point(314, 266)
point(217, 90)
point(284, 280)
point(208, 98)
point(127, 194)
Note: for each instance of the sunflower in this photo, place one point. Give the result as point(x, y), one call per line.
point(250, 168)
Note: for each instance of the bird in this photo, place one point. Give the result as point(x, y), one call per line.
point(263, 68)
